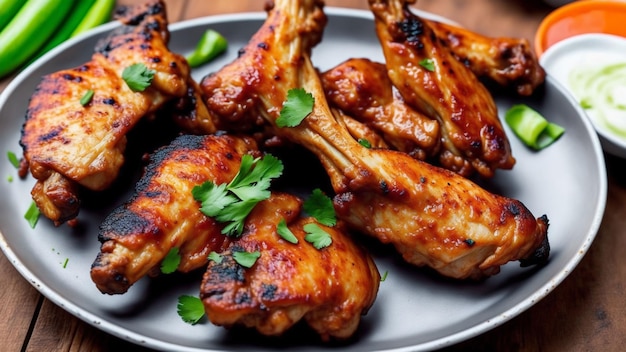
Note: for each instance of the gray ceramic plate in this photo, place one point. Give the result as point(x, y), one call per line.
point(414, 310)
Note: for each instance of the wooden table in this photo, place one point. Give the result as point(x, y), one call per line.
point(587, 312)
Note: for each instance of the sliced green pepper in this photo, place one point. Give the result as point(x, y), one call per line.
point(531, 127)
point(209, 47)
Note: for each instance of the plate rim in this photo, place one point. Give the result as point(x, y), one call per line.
point(146, 341)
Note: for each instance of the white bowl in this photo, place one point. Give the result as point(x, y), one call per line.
point(589, 51)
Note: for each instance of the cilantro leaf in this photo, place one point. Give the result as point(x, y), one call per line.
point(284, 232)
point(231, 203)
point(252, 181)
point(246, 259)
point(216, 257)
point(317, 236)
point(138, 77)
point(234, 215)
point(171, 261)
point(299, 104)
point(320, 206)
point(428, 64)
point(213, 197)
point(190, 309)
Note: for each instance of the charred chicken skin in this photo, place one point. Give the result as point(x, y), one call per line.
point(434, 217)
point(329, 288)
point(433, 81)
point(162, 213)
point(68, 145)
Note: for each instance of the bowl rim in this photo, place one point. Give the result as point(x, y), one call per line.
point(576, 9)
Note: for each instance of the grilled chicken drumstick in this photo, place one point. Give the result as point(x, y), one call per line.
point(329, 288)
point(432, 216)
point(162, 214)
point(68, 145)
point(432, 80)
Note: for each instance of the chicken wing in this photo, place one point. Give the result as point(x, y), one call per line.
point(162, 214)
point(509, 62)
point(361, 89)
point(68, 144)
point(329, 288)
point(433, 81)
point(433, 216)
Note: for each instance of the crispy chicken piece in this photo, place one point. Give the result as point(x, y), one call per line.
point(361, 89)
point(432, 216)
point(329, 288)
point(509, 62)
point(433, 81)
point(360, 131)
point(162, 214)
point(68, 145)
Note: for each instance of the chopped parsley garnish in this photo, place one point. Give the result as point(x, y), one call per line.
point(299, 104)
point(13, 159)
point(317, 236)
point(231, 203)
point(190, 309)
point(32, 215)
point(285, 232)
point(246, 259)
point(216, 257)
point(138, 77)
point(364, 142)
point(320, 206)
point(86, 99)
point(428, 64)
point(10, 178)
point(65, 262)
point(171, 261)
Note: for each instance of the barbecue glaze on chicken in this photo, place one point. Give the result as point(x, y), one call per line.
point(162, 213)
point(329, 288)
point(433, 217)
point(68, 145)
point(509, 62)
point(433, 81)
point(361, 89)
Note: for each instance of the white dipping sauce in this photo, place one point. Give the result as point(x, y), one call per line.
point(593, 69)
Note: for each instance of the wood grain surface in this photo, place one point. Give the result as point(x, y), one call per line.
point(585, 313)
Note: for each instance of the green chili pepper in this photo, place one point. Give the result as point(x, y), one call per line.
point(209, 47)
point(98, 14)
point(29, 29)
